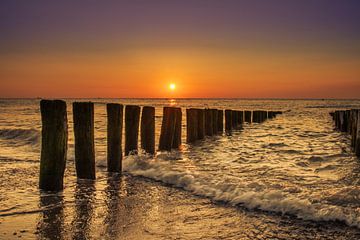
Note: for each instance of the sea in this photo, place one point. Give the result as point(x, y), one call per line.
point(291, 177)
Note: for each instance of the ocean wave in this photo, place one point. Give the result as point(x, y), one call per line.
point(272, 200)
point(21, 136)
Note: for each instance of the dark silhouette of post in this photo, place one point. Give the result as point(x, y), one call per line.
point(148, 129)
point(83, 115)
point(114, 136)
point(215, 121)
point(240, 118)
point(235, 121)
point(357, 141)
point(132, 118)
point(354, 116)
point(167, 129)
point(256, 117)
point(208, 122)
point(220, 121)
point(228, 120)
point(177, 132)
point(248, 116)
point(201, 123)
point(191, 125)
point(54, 136)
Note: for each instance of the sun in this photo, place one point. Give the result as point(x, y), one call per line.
point(172, 86)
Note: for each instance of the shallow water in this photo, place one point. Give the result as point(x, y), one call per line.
point(289, 177)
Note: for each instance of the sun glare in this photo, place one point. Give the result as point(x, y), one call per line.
point(172, 86)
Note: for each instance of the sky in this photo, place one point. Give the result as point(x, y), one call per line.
point(207, 48)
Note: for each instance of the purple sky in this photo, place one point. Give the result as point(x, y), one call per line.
point(88, 27)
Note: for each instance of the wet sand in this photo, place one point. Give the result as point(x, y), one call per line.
point(126, 207)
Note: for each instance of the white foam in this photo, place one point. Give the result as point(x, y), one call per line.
point(252, 198)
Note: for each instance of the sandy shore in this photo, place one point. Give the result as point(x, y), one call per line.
point(125, 207)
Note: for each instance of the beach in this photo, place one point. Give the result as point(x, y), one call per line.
point(291, 177)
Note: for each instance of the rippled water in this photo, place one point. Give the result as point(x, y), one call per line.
point(289, 177)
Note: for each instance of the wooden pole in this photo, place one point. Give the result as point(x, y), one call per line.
point(83, 114)
point(264, 116)
point(357, 141)
point(256, 117)
point(228, 120)
point(54, 136)
point(132, 118)
point(147, 132)
point(167, 129)
point(348, 119)
point(235, 115)
point(201, 123)
point(208, 122)
point(354, 127)
point(220, 121)
point(248, 116)
point(177, 132)
point(114, 136)
point(191, 125)
point(241, 118)
point(215, 121)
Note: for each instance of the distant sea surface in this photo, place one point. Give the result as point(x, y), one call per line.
point(291, 177)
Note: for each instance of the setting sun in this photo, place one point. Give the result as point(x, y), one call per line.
point(172, 86)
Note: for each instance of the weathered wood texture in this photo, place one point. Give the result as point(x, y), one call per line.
point(114, 136)
point(147, 129)
point(132, 119)
point(83, 116)
point(177, 132)
point(228, 120)
point(191, 125)
point(201, 123)
point(54, 136)
point(215, 121)
point(208, 122)
point(167, 129)
point(248, 116)
point(220, 121)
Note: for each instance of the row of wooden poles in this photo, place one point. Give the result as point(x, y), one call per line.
point(349, 121)
point(199, 123)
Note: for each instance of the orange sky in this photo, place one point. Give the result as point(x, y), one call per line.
point(222, 60)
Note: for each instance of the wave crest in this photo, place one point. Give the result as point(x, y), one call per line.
point(266, 199)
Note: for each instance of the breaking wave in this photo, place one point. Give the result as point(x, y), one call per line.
point(272, 200)
point(21, 136)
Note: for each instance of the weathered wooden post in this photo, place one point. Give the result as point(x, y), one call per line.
point(54, 136)
point(114, 136)
point(342, 121)
point(354, 127)
point(201, 123)
point(177, 132)
point(357, 141)
point(215, 121)
point(147, 132)
point(191, 125)
point(256, 117)
point(271, 114)
point(264, 116)
point(348, 117)
point(248, 116)
point(83, 115)
point(228, 120)
point(240, 118)
point(132, 118)
point(235, 115)
point(337, 120)
point(167, 129)
point(208, 122)
point(220, 121)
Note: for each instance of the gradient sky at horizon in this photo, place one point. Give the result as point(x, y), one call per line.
point(209, 48)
